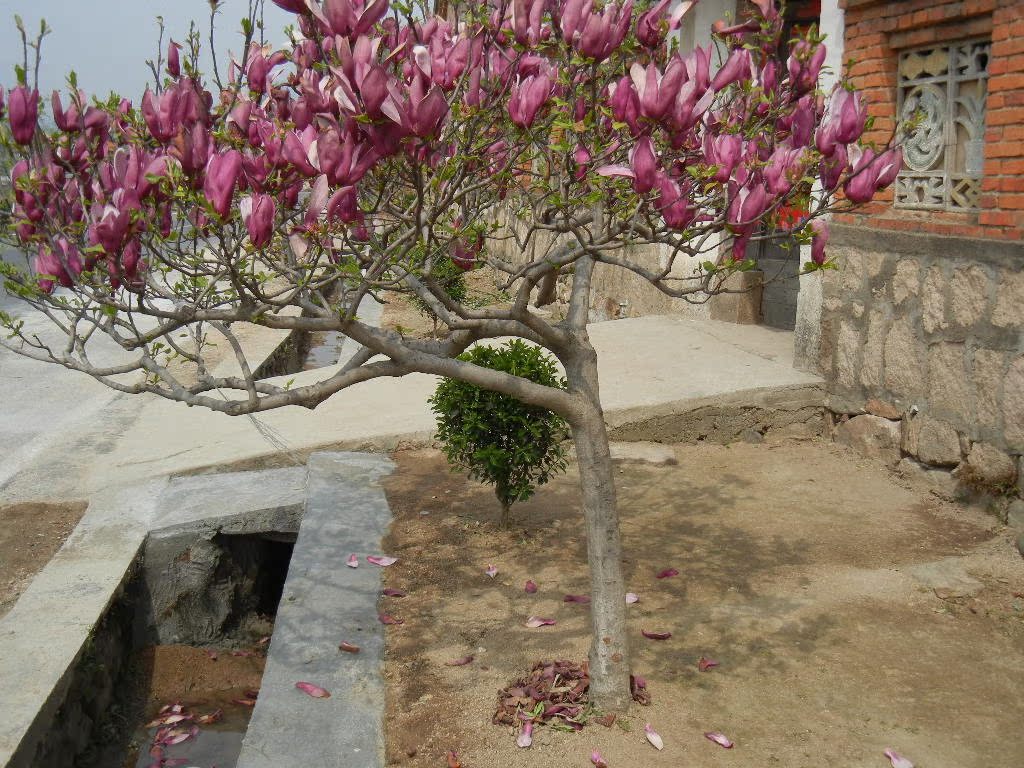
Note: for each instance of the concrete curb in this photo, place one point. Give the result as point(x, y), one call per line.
point(323, 604)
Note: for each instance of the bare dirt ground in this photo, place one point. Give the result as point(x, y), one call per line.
point(849, 614)
point(31, 534)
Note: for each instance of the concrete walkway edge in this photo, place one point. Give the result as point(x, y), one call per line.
point(325, 603)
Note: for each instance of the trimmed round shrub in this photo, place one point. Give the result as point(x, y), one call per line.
point(496, 438)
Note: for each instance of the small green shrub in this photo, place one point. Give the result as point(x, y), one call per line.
point(496, 438)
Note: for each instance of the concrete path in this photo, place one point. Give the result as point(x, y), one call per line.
point(651, 368)
point(325, 603)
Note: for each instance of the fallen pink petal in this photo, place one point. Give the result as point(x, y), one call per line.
point(668, 573)
point(632, 597)
point(897, 760)
point(655, 635)
point(704, 664)
point(352, 562)
point(491, 571)
point(389, 592)
point(314, 690)
point(719, 738)
point(581, 599)
point(382, 561)
point(388, 619)
point(597, 760)
point(530, 587)
point(348, 648)
point(525, 738)
point(536, 621)
point(460, 662)
point(653, 737)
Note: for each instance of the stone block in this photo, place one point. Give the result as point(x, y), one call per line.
point(933, 301)
point(987, 380)
point(872, 368)
point(852, 271)
point(990, 465)
point(931, 440)
point(1013, 405)
point(948, 380)
point(968, 295)
point(871, 436)
point(1009, 309)
point(907, 281)
point(873, 263)
point(941, 482)
point(1015, 513)
point(904, 374)
point(744, 307)
point(848, 354)
point(644, 451)
point(882, 408)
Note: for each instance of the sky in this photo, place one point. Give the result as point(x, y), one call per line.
point(107, 42)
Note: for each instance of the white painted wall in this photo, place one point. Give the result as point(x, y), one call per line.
point(807, 335)
point(694, 31)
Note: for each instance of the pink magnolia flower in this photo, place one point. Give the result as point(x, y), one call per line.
point(804, 65)
point(23, 110)
point(69, 120)
point(173, 59)
point(594, 34)
point(625, 104)
point(644, 163)
point(258, 212)
point(820, 239)
point(672, 203)
point(749, 203)
point(872, 173)
point(723, 151)
point(737, 67)
point(221, 176)
point(527, 97)
point(785, 167)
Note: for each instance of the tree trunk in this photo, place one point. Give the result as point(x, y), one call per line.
point(609, 649)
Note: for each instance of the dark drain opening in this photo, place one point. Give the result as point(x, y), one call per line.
point(256, 568)
point(302, 351)
point(189, 629)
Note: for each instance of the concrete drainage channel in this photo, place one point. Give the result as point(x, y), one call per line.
point(207, 560)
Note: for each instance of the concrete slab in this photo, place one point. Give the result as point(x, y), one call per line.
point(651, 368)
point(325, 603)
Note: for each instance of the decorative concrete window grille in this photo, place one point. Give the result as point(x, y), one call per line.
point(946, 87)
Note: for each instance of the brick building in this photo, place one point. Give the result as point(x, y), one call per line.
point(924, 321)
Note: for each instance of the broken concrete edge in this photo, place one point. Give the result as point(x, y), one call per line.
point(323, 604)
point(718, 418)
point(48, 631)
point(784, 406)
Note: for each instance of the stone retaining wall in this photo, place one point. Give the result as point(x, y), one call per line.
point(923, 346)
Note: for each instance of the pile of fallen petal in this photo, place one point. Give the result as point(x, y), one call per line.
point(555, 693)
point(175, 724)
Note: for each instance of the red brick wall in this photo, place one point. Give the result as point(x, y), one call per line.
point(875, 31)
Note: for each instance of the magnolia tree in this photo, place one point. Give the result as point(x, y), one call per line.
point(387, 140)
